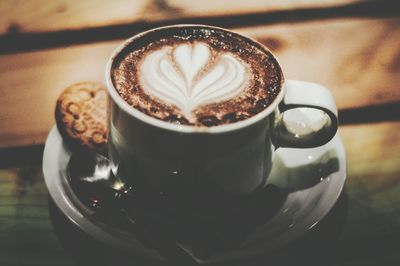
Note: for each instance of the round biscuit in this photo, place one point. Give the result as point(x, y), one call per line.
point(81, 116)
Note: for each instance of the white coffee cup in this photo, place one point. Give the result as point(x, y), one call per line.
point(235, 158)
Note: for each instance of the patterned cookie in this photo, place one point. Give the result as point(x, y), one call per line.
point(81, 113)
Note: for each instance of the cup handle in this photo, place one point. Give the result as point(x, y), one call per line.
point(307, 116)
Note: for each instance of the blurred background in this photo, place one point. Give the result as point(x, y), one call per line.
point(349, 46)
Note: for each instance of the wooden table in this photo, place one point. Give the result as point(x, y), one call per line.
point(350, 46)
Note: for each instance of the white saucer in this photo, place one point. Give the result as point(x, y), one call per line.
point(314, 176)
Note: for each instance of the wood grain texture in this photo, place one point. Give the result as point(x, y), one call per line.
point(360, 66)
point(26, 232)
point(57, 15)
point(373, 184)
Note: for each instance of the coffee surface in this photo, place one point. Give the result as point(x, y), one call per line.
point(196, 76)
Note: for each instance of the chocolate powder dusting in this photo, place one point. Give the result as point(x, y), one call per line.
point(262, 88)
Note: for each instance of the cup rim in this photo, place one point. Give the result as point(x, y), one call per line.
point(121, 103)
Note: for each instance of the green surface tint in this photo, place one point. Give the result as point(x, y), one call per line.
point(26, 233)
point(362, 229)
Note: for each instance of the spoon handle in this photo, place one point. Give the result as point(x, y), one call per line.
point(169, 249)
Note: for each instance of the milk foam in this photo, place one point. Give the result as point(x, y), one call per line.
point(187, 76)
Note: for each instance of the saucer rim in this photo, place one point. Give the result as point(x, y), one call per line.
point(53, 176)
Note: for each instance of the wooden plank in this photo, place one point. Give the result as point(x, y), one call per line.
point(373, 152)
point(27, 236)
point(373, 185)
point(161, 13)
point(360, 67)
point(58, 15)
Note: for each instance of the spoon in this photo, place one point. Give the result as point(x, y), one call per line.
point(90, 174)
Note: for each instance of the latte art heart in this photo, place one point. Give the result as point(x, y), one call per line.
point(188, 76)
point(195, 76)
